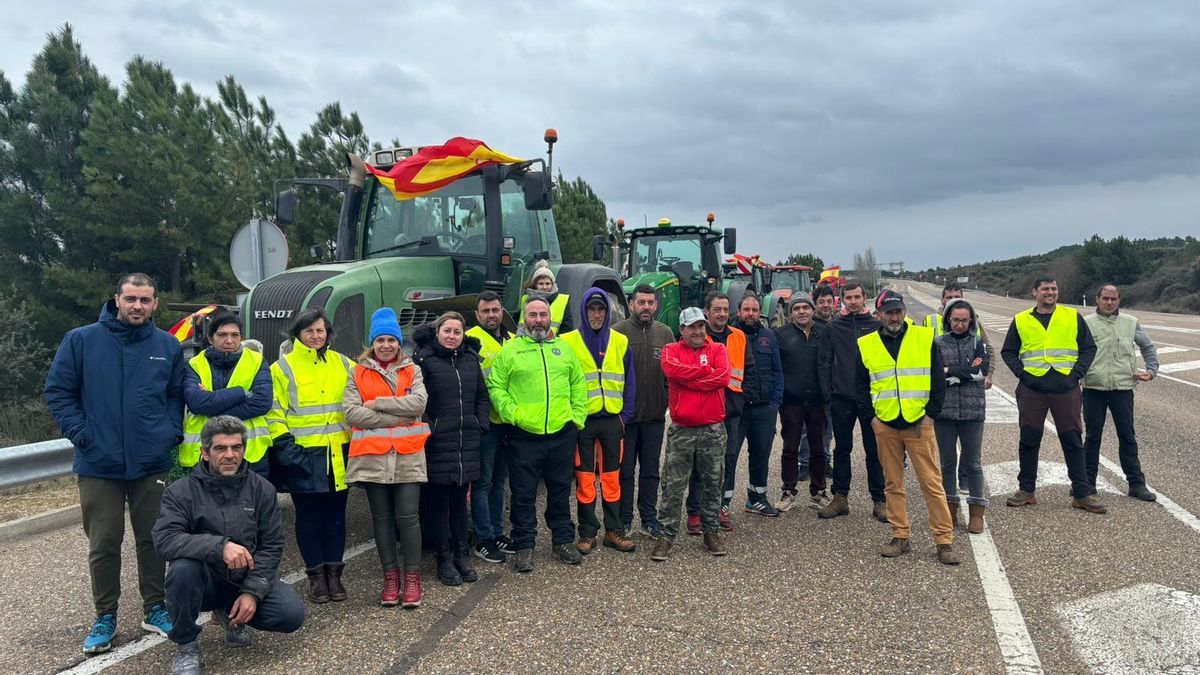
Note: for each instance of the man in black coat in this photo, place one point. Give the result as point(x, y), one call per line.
point(803, 408)
point(219, 527)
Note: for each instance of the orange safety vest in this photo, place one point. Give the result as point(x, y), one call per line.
point(405, 440)
point(735, 346)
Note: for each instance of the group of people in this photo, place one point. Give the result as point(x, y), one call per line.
point(478, 416)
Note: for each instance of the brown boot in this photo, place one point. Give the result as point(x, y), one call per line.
point(585, 545)
point(333, 577)
point(975, 524)
point(617, 540)
point(838, 506)
point(712, 543)
point(946, 554)
point(953, 513)
point(895, 548)
point(318, 587)
point(662, 550)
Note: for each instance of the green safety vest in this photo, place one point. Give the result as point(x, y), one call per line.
point(489, 347)
point(899, 387)
point(258, 435)
point(308, 403)
point(1056, 347)
point(606, 383)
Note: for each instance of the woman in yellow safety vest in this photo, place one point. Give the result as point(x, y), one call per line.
point(384, 401)
point(542, 281)
point(310, 442)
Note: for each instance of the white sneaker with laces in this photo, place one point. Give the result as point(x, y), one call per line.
point(818, 501)
point(786, 502)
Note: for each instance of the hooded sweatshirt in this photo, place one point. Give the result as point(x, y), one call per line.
point(597, 344)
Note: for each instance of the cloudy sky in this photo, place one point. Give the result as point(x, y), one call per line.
point(937, 132)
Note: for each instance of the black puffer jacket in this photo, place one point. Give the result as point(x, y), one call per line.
point(457, 410)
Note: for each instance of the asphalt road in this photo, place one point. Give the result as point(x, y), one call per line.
point(1046, 589)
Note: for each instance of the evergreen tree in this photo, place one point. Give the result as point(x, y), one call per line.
point(579, 215)
point(809, 259)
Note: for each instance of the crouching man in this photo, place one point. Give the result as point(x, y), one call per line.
point(219, 528)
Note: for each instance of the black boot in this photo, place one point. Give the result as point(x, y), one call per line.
point(446, 571)
point(333, 577)
point(318, 588)
point(462, 563)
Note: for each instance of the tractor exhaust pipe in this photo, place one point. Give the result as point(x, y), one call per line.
point(347, 232)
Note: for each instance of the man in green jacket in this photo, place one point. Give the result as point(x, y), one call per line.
point(1109, 383)
point(536, 384)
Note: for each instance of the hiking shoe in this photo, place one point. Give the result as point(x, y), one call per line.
point(654, 529)
point(819, 500)
point(488, 551)
point(585, 545)
point(786, 502)
point(505, 545)
point(726, 519)
point(693, 526)
point(523, 560)
point(1142, 492)
point(879, 511)
point(618, 541)
point(712, 543)
point(894, 548)
point(1021, 498)
point(662, 550)
point(157, 620)
point(235, 636)
point(99, 639)
point(1090, 503)
point(946, 555)
point(187, 659)
point(761, 507)
point(567, 553)
point(838, 506)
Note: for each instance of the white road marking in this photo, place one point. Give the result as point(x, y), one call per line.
point(1173, 329)
point(1176, 379)
point(1168, 350)
point(1145, 628)
point(999, 409)
point(129, 650)
point(1016, 646)
point(1000, 477)
point(1178, 367)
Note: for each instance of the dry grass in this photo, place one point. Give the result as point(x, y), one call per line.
point(30, 500)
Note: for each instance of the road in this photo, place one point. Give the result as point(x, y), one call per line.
point(1046, 589)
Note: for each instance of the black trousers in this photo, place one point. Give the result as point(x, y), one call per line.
point(599, 455)
point(1064, 407)
point(194, 587)
point(549, 459)
point(796, 422)
point(844, 412)
point(643, 448)
point(1096, 405)
point(447, 506)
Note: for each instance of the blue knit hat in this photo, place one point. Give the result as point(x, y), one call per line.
point(383, 322)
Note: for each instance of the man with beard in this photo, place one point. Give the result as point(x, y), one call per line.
point(537, 386)
point(899, 385)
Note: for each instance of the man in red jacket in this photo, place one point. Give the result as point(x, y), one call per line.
point(697, 373)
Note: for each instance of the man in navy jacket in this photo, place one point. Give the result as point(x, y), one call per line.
point(116, 391)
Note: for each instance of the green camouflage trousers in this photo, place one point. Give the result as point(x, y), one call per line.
point(688, 447)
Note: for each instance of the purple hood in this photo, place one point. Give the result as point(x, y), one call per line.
point(596, 341)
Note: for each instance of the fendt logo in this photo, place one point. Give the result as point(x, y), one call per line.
point(274, 313)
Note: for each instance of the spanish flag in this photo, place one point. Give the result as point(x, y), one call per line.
point(437, 166)
point(184, 329)
point(830, 274)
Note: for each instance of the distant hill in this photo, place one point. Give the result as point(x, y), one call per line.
point(1154, 274)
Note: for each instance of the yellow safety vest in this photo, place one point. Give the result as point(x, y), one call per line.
point(1056, 347)
point(258, 435)
point(899, 386)
point(558, 309)
point(489, 347)
point(308, 403)
point(605, 384)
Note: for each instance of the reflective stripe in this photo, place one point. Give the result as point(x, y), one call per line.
point(892, 393)
point(595, 393)
point(1051, 352)
point(322, 430)
point(293, 392)
point(487, 371)
point(420, 429)
point(899, 372)
point(317, 409)
point(737, 372)
point(251, 434)
point(613, 377)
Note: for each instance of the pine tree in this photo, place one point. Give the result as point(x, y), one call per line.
point(579, 215)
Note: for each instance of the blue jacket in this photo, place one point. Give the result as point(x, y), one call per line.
point(766, 387)
point(222, 400)
point(116, 392)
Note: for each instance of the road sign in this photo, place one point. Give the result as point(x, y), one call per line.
point(258, 251)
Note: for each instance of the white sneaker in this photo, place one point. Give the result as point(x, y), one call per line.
point(819, 500)
point(786, 502)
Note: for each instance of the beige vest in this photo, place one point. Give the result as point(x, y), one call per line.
point(1116, 352)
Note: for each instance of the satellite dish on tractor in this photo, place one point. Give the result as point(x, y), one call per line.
point(258, 251)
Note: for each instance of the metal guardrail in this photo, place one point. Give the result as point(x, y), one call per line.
point(35, 462)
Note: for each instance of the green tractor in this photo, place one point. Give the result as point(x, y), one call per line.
point(425, 255)
point(683, 263)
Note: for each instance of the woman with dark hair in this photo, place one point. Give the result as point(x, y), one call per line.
point(384, 401)
point(965, 360)
point(457, 412)
point(310, 442)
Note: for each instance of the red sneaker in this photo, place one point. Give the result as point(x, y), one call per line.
point(693, 526)
point(390, 597)
point(726, 520)
point(412, 590)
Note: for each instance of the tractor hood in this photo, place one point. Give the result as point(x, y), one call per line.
point(657, 280)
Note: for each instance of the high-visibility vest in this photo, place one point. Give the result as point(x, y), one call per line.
point(900, 386)
point(308, 403)
point(1055, 347)
point(489, 347)
point(606, 383)
point(735, 347)
point(406, 439)
point(258, 435)
point(558, 309)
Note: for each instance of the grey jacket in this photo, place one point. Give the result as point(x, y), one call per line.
point(389, 411)
point(965, 396)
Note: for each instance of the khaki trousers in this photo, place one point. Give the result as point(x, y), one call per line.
point(921, 446)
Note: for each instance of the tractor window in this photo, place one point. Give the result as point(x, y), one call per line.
point(678, 254)
point(447, 222)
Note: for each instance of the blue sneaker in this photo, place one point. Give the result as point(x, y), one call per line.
point(100, 639)
point(652, 529)
point(761, 507)
point(157, 620)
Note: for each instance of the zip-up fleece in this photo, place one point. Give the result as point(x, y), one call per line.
point(538, 387)
point(697, 379)
point(646, 343)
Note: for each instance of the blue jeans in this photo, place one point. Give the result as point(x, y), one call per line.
point(487, 493)
point(320, 526)
point(757, 429)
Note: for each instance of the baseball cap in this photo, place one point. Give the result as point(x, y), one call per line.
point(690, 316)
point(889, 300)
point(596, 299)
